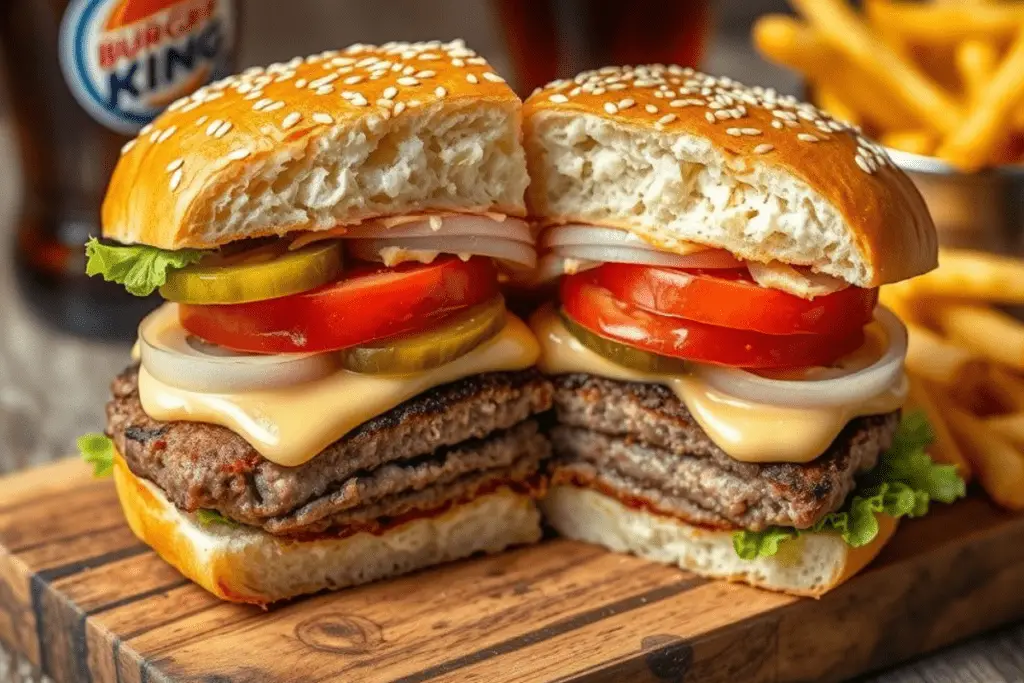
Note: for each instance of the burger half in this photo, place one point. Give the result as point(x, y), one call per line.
point(727, 392)
point(334, 392)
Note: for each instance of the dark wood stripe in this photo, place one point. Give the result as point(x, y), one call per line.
point(65, 570)
point(80, 650)
point(37, 590)
point(556, 629)
point(121, 602)
point(116, 649)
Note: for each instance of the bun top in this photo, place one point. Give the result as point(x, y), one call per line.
point(334, 138)
point(675, 154)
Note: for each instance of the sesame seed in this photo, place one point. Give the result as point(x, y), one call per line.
point(763, 148)
point(255, 94)
point(407, 80)
point(390, 92)
point(472, 78)
point(224, 127)
point(650, 109)
point(408, 70)
point(626, 103)
point(348, 94)
point(167, 133)
point(667, 119)
point(280, 104)
point(212, 128)
point(440, 92)
point(324, 90)
point(491, 76)
point(359, 101)
point(458, 62)
point(611, 108)
point(175, 165)
point(352, 80)
point(598, 91)
point(751, 131)
point(558, 98)
point(414, 103)
point(261, 104)
point(176, 180)
point(735, 132)
point(127, 147)
point(426, 74)
point(710, 117)
point(321, 117)
point(177, 104)
point(807, 137)
point(202, 119)
point(399, 108)
point(679, 103)
point(721, 114)
point(479, 61)
point(427, 56)
point(238, 154)
point(617, 86)
point(146, 129)
point(863, 164)
point(291, 120)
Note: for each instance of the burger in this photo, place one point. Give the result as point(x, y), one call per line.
point(334, 391)
point(727, 391)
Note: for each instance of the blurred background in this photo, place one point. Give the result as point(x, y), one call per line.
point(56, 355)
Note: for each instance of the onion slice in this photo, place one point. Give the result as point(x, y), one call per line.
point(505, 250)
point(838, 387)
point(175, 357)
point(786, 278)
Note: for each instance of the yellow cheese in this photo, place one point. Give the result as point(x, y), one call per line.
point(746, 431)
point(290, 425)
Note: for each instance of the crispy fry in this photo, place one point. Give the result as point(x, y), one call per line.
point(945, 449)
point(899, 298)
point(986, 128)
point(833, 103)
point(984, 331)
point(1010, 427)
point(1006, 389)
point(913, 141)
point(933, 358)
point(906, 83)
point(976, 60)
point(946, 24)
point(968, 274)
point(998, 465)
point(793, 44)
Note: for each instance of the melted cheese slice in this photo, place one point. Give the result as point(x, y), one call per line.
point(746, 431)
point(290, 425)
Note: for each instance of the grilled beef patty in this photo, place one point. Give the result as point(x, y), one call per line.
point(436, 440)
point(640, 442)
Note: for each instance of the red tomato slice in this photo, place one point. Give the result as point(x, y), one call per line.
point(731, 298)
point(595, 308)
point(367, 304)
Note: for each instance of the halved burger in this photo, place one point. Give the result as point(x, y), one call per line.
point(727, 390)
point(334, 391)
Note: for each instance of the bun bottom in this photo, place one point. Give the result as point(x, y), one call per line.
point(809, 566)
point(249, 565)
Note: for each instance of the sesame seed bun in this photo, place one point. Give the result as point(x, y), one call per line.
point(313, 143)
point(675, 155)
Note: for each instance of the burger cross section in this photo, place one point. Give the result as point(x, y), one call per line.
point(335, 392)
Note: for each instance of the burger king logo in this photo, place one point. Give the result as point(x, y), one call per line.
point(125, 60)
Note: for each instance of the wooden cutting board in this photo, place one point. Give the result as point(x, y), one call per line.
point(84, 600)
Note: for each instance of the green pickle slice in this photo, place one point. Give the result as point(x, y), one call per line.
point(431, 348)
point(621, 354)
point(266, 272)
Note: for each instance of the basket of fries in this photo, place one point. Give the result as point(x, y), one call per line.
point(941, 84)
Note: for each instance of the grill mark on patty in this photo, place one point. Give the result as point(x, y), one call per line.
point(202, 465)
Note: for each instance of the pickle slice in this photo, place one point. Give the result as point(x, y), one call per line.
point(621, 354)
point(265, 272)
point(430, 348)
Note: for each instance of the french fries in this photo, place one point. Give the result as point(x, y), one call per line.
point(985, 127)
point(965, 362)
point(928, 77)
point(905, 82)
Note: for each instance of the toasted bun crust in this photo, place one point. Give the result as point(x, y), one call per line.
point(672, 154)
point(809, 566)
point(246, 565)
point(332, 139)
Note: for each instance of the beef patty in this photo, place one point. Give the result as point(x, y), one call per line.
point(640, 442)
point(394, 458)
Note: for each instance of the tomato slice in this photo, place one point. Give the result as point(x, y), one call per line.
point(731, 298)
point(594, 307)
point(370, 303)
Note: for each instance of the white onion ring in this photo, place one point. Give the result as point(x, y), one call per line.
point(173, 357)
point(843, 389)
point(505, 250)
point(714, 258)
point(513, 229)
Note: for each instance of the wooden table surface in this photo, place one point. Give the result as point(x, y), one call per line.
point(53, 387)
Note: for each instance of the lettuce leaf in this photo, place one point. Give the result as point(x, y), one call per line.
point(98, 451)
point(210, 517)
point(140, 268)
point(903, 484)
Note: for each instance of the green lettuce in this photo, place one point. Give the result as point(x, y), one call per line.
point(140, 268)
point(210, 517)
point(903, 484)
point(98, 451)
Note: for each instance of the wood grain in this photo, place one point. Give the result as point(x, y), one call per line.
point(85, 601)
